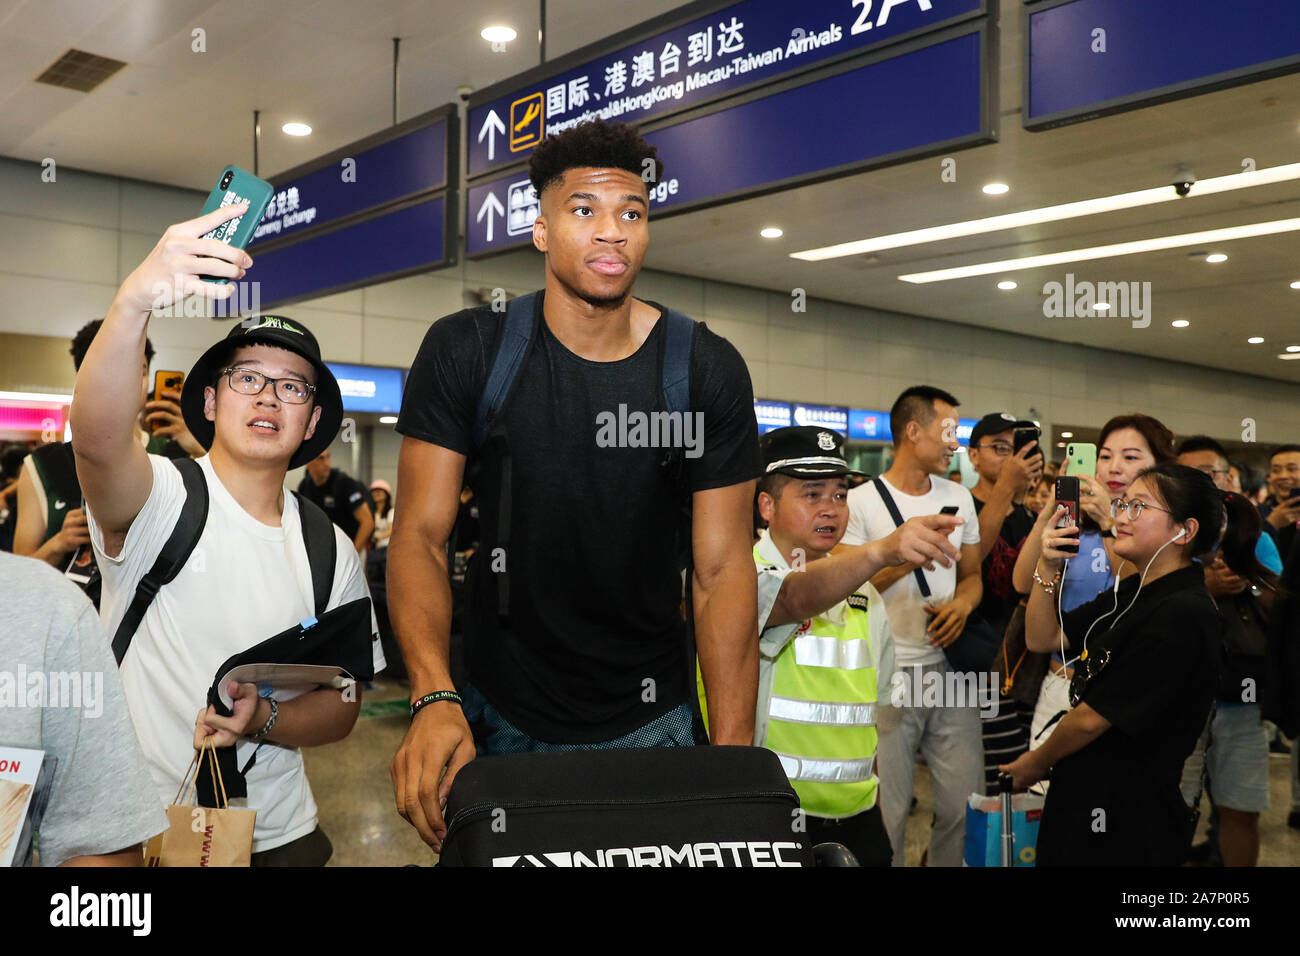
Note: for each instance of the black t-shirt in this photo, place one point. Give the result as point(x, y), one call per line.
point(1116, 801)
point(1000, 595)
point(593, 646)
point(338, 498)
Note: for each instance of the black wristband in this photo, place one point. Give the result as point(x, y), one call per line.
point(433, 698)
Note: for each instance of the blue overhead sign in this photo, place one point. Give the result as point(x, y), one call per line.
point(368, 388)
point(1088, 58)
point(325, 228)
point(410, 239)
point(873, 425)
point(939, 99)
point(684, 59)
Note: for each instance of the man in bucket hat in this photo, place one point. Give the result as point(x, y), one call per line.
point(261, 401)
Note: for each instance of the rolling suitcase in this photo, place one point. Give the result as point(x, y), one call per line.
point(660, 806)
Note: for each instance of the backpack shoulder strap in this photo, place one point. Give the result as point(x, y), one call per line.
point(175, 552)
point(677, 361)
point(892, 508)
point(515, 336)
point(322, 550)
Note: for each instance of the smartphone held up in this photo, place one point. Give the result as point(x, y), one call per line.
point(233, 187)
point(1067, 493)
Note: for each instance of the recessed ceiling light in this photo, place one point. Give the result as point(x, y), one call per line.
point(771, 232)
point(996, 189)
point(1102, 306)
point(1180, 323)
point(1006, 285)
point(388, 419)
point(295, 129)
point(1289, 358)
point(1216, 257)
point(1033, 217)
point(1293, 348)
point(1296, 284)
point(1067, 434)
point(1256, 340)
point(498, 34)
point(1060, 444)
point(1155, 244)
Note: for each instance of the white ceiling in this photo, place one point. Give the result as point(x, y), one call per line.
point(171, 113)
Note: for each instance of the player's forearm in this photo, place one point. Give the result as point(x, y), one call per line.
point(106, 401)
point(420, 610)
point(726, 638)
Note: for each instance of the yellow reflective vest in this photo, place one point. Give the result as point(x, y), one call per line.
point(818, 692)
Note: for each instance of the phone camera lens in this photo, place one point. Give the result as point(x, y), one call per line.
point(225, 180)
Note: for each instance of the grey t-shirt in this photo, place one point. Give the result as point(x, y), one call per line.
point(102, 799)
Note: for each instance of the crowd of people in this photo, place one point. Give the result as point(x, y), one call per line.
point(1135, 656)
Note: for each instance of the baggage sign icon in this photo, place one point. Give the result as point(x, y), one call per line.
point(522, 207)
point(527, 122)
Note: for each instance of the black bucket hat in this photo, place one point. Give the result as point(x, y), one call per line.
point(282, 333)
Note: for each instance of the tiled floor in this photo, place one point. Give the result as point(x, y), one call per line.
point(355, 795)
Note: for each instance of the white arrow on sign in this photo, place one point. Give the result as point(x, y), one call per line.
point(493, 122)
point(490, 205)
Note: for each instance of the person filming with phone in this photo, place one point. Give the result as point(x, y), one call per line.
point(1146, 664)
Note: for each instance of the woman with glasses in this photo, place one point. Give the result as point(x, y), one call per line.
point(1146, 666)
point(1127, 445)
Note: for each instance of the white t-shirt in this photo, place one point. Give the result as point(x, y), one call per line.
point(869, 520)
point(244, 582)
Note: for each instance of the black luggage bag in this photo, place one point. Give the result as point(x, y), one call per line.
point(659, 806)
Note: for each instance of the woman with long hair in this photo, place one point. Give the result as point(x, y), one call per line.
point(1127, 445)
point(1146, 667)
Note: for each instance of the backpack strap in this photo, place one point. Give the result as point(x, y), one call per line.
point(175, 552)
point(515, 337)
point(677, 361)
point(322, 550)
point(888, 499)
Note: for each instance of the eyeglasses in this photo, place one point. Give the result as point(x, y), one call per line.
point(999, 448)
point(247, 381)
point(1132, 508)
point(1088, 667)
point(1212, 472)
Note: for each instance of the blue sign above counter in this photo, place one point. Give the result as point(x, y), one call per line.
point(369, 388)
point(686, 58)
point(1090, 58)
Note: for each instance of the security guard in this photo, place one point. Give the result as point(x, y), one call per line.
point(825, 648)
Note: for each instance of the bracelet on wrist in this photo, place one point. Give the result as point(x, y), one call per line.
point(1048, 586)
point(418, 704)
point(270, 721)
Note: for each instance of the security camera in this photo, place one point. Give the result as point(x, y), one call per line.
point(1184, 179)
point(464, 93)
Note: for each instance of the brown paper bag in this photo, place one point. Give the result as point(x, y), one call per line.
point(203, 836)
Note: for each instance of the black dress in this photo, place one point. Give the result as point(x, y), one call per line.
point(1116, 802)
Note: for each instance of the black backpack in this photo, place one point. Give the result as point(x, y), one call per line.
point(317, 536)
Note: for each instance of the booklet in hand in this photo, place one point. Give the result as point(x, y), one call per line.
point(329, 651)
point(333, 650)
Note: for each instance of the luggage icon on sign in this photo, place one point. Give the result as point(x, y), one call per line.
point(522, 207)
point(527, 122)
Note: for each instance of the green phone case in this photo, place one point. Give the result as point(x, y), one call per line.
point(1081, 459)
point(243, 186)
